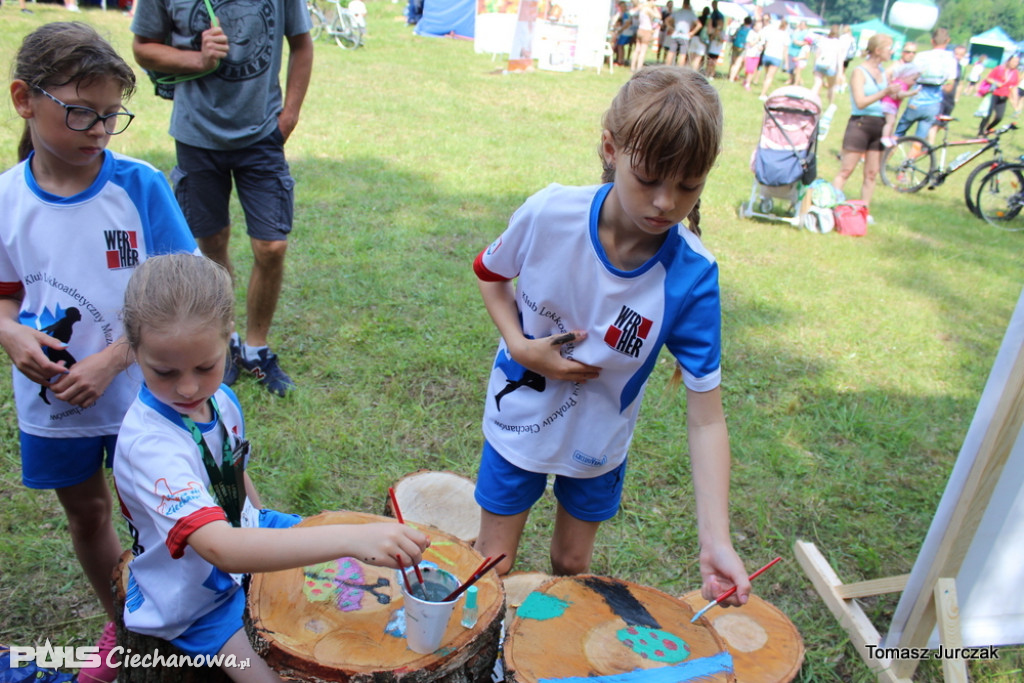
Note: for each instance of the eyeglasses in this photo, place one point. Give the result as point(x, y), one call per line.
point(910, 52)
point(84, 118)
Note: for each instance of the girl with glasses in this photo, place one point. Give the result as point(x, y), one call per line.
point(77, 220)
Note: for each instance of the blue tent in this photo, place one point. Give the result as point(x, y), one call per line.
point(866, 29)
point(448, 18)
point(994, 43)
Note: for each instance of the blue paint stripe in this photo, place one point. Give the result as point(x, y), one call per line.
point(693, 670)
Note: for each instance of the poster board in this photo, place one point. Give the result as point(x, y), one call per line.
point(978, 528)
point(558, 35)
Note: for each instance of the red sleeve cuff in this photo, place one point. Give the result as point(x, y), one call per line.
point(10, 288)
point(177, 539)
point(481, 270)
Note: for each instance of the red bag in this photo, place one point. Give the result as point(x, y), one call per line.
point(851, 218)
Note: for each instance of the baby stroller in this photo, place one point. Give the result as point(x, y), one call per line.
point(784, 163)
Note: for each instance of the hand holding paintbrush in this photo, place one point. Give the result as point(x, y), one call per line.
point(727, 594)
point(398, 516)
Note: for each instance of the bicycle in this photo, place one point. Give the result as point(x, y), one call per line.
point(912, 163)
point(337, 23)
point(1001, 197)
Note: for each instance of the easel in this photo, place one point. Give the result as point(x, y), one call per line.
point(948, 540)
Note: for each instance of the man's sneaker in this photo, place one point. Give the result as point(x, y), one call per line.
point(102, 673)
point(231, 365)
point(268, 372)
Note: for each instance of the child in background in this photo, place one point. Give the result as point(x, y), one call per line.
point(605, 276)
point(357, 8)
point(180, 474)
point(905, 77)
point(78, 219)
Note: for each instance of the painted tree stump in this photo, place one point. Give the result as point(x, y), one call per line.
point(518, 586)
point(345, 620)
point(765, 645)
point(443, 500)
point(591, 626)
point(136, 643)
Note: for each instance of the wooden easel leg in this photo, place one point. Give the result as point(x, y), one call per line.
point(947, 614)
point(850, 615)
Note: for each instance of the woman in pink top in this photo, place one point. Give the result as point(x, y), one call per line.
point(1003, 80)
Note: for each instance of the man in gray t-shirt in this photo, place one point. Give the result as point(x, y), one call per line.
point(230, 122)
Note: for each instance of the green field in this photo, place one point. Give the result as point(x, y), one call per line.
point(851, 367)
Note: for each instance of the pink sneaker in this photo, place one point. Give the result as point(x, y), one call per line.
point(102, 673)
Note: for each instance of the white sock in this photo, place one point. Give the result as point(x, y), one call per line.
point(251, 353)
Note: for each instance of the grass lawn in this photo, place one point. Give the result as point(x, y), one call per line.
point(851, 371)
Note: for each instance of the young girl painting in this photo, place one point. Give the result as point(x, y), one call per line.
point(605, 276)
point(77, 220)
point(180, 473)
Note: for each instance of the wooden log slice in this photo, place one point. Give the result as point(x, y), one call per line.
point(518, 585)
point(443, 500)
point(765, 645)
point(344, 620)
point(136, 643)
point(591, 626)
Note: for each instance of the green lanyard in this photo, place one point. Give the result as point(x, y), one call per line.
point(226, 481)
point(174, 79)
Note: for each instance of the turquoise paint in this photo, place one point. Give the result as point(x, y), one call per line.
point(541, 607)
point(693, 670)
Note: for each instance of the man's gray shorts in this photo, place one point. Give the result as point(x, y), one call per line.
point(203, 179)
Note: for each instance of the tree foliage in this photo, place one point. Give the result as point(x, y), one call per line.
point(963, 18)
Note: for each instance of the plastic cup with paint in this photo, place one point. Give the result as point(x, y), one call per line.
point(426, 618)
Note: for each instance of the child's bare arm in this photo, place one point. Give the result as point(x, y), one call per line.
point(721, 568)
point(266, 550)
point(544, 355)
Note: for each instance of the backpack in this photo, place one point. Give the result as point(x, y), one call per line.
point(851, 218)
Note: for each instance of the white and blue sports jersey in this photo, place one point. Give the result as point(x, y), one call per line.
point(72, 257)
point(165, 496)
point(565, 282)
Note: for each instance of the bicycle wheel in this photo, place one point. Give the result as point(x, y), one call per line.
point(319, 23)
point(345, 34)
point(971, 190)
point(907, 165)
point(1001, 197)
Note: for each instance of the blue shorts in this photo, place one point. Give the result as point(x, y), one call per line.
point(504, 489)
point(212, 630)
point(266, 189)
point(829, 71)
point(770, 61)
point(48, 463)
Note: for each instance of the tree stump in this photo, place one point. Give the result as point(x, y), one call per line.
point(136, 643)
point(518, 586)
point(344, 620)
point(587, 626)
point(443, 500)
point(765, 645)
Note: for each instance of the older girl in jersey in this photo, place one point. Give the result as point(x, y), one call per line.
point(605, 276)
point(180, 474)
point(78, 219)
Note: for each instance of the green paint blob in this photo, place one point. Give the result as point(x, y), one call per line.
point(541, 607)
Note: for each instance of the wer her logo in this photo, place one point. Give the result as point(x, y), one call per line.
point(628, 333)
point(122, 248)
